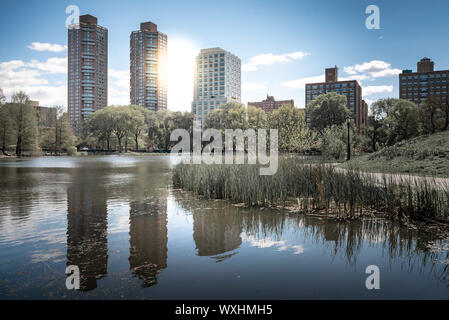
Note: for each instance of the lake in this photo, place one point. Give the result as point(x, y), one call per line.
point(133, 237)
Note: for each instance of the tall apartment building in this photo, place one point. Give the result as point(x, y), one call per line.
point(217, 80)
point(350, 88)
point(148, 67)
point(425, 83)
point(271, 104)
point(87, 69)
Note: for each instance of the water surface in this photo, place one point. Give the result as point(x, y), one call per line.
point(132, 236)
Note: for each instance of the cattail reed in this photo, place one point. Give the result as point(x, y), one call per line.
point(316, 187)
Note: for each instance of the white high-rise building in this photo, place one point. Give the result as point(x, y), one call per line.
point(218, 79)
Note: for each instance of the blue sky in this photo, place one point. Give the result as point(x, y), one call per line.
point(282, 44)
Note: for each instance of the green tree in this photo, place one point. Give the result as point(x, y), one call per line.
point(445, 110)
point(121, 123)
point(375, 131)
point(183, 120)
point(58, 134)
point(99, 126)
point(432, 115)
point(257, 118)
point(403, 122)
point(137, 123)
point(231, 115)
point(293, 134)
point(2, 97)
point(152, 125)
point(381, 108)
point(334, 141)
point(24, 123)
point(65, 138)
point(6, 129)
point(165, 120)
point(327, 110)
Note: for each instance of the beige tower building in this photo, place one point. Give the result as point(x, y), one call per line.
point(218, 79)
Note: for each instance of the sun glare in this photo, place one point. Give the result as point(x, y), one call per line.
point(181, 64)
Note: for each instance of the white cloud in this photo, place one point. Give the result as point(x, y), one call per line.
point(358, 77)
point(268, 59)
point(370, 90)
point(120, 77)
point(17, 75)
point(372, 70)
point(118, 91)
point(11, 65)
point(118, 97)
point(46, 95)
point(386, 73)
point(254, 86)
point(298, 249)
point(267, 242)
point(52, 65)
point(372, 66)
point(39, 46)
point(14, 74)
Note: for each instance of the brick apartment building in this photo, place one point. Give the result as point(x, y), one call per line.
point(87, 69)
point(148, 67)
point(425, 83)
point(271, 104)
point(350, 88)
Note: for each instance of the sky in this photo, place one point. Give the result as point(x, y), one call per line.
point(282, 44)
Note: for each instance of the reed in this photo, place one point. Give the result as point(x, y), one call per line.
point(316, 187)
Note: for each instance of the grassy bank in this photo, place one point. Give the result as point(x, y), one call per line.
point(315, 188)
point(426, 156)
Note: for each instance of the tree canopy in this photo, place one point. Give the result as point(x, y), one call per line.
point(327, 110)
point(403, 122)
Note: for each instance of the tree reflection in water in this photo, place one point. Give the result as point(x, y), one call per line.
point(220, 227)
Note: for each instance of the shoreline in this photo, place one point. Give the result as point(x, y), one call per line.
point(338, 165)
point(439, 229)
point(85, 154)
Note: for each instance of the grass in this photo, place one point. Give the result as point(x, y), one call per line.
point(317, 187)
point(423, 156)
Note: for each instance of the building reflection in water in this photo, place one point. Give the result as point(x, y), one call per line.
point(216, 232)
point(87, 244)
point(216, 228)
point(220, 227)
point(148, 239)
